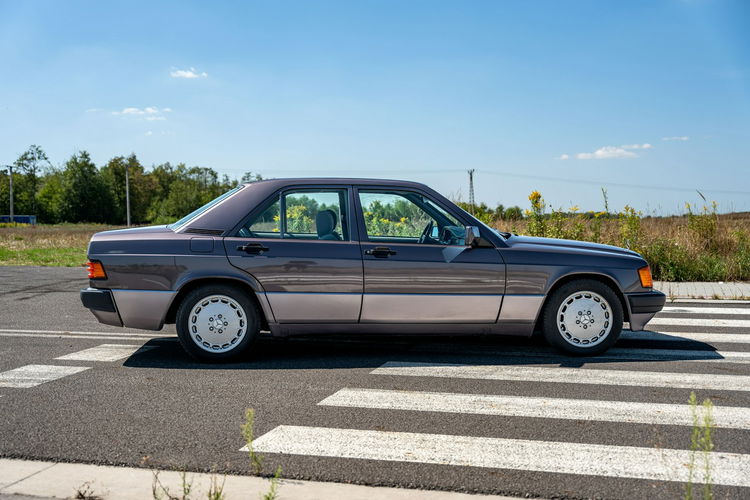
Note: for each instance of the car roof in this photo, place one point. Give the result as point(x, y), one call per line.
point(290, 181)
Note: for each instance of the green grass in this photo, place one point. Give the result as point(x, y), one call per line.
point(59, 257)
point(46, 244)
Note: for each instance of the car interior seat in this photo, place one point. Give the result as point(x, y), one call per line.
point(325, 222)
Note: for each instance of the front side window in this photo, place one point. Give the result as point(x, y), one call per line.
point(406, 217)
point(302, 214)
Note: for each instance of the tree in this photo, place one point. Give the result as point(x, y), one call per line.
point(85, 197)
point(251, 177)
point(142, 187)
point(30, 164)
point(50, 197)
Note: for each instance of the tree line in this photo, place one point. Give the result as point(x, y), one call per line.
point(81, 191)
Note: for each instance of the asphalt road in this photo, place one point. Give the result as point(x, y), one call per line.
point(488, 415)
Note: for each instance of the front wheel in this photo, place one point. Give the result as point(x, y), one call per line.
point(216, 322)
point(583, 318)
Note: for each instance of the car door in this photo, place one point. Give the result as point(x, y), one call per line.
point(299, 246)
point(416, 266)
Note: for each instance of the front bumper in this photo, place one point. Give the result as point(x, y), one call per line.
point(644, 306)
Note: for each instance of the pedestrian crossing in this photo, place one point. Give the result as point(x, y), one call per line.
point(563, 375)
point(34, 375)
point(526, 406)
point(523, 386)
point(499, 453)
point(105, 352)
point(28, 376)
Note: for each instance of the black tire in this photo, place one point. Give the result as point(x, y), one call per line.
point(553, 326)
point(249, 311)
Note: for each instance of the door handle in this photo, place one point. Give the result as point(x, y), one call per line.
point(380, 252)
point(253, 248)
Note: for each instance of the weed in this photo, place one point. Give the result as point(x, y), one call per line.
point(86, 492)
point(256, 461)
point(537, 225)
point(216, 490)
point(273, 491)
point(159, 491)
point(701, 441)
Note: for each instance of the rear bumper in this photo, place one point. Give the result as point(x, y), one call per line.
point(145, 309)
point(643, 307)
point(102, 305)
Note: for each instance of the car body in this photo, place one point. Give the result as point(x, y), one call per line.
point(303, 256)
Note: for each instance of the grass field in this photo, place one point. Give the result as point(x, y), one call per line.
point(701, 246)
point(46, 245)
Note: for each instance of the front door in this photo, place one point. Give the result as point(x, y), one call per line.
point(299, 247)
point(416, 266)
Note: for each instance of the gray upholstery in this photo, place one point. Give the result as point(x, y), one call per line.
point(325, 222)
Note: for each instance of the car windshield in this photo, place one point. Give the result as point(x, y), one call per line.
point(502, 234)
point(175, 226)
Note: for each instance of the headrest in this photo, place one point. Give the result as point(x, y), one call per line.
point(325, 222)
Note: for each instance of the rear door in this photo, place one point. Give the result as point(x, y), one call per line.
point(416, 267)
point(299, 246)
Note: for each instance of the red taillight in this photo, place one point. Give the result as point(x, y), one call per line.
point(645, 274)
point(96, 270)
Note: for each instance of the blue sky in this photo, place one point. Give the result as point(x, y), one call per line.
point(650, 99)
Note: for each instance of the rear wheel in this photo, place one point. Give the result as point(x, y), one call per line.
point(583, 318)
point(216, 322)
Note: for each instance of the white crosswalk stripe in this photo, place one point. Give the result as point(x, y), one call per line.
point(721, 323)
point(33, 375)
point(729, 338)
point(517, 454)
point(614, 354)
point(706, 310)
point(105, 352)
point(567, 375)
point(526, 406)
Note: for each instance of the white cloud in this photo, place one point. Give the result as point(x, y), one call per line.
point(563, 156)
point(609, 152)
point(187, 73)
point(149, 113)
point(149, 133)
point(676, 138)
point(606, 153)
point(149, 110)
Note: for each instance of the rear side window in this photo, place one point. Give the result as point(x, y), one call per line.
point(307, 214)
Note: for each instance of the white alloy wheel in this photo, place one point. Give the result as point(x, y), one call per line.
point(217, 323)
point(584, 319)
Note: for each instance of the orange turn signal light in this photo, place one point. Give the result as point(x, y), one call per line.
point(646, 280)
point(96, 270)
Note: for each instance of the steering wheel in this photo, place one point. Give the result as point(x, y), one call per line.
point(426, 231)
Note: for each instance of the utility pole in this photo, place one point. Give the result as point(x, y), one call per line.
point(127, 193)
point(471, 191)
point(10, 178)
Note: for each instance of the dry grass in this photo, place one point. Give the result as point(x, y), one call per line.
point(46, 245)
point(703, 246)
point(698, 247)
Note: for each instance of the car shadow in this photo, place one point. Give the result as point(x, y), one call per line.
point(370, 351)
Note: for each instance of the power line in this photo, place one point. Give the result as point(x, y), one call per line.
point(598, 183)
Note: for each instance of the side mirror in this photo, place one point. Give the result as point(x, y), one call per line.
point(473, 236)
